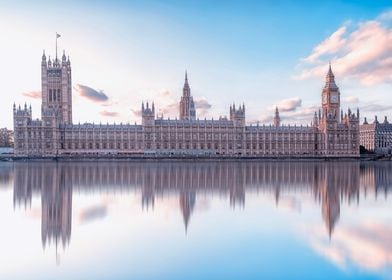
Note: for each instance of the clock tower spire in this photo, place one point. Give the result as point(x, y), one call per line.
point(331, 96)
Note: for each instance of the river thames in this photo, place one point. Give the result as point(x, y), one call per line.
point(196, 220)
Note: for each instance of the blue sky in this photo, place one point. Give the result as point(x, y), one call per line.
point(262, 53)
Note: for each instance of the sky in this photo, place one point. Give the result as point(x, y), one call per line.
point(260, 53)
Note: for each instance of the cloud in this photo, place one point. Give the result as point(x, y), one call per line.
point(202, 107)
point(202, 104)
point(351, 99)
point(171, 109)
point(291, 112)
point(109, 114)
point(288, 105)
point(93, 213)
point(166, 93)
point(364, 52)
point(367, 245)
point(32, 94)
point(136, 112)
point(385, 16)
point(303, 115)
point(329, 46)
point(372, 107)
point(91, 94)
point(111, 103)
point(263, 119)
point(299, 115)
point(290, 203)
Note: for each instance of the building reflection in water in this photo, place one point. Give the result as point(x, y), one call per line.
point(56, 205)
point(330, 183)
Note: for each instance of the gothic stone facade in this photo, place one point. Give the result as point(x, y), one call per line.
point(376, 137)
point(331, 134)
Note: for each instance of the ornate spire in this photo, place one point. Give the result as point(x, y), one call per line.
point(365, 121)
point(43, 63)
point(187, 106)
point(186, 90)
point(330, 79)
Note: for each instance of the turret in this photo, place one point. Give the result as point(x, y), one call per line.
point(43, 62)
point(276, 120)
point(22, 115)
point(315, 120)
point(148, 114)
point(64, 59)
point(237, 115)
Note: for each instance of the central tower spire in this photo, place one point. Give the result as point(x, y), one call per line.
point(186, 91)
point(187, 106)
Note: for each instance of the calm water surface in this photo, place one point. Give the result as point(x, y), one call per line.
point(204, 220)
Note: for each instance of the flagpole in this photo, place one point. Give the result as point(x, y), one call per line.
point(56, 46)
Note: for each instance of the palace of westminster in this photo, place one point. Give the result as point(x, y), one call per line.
point(330, 134)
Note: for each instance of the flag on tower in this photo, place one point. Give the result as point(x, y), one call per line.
point(58, 35)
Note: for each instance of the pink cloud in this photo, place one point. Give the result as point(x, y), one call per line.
point(367, 245)
point(364, 53)
point(330, 45)
point(108, 114)
point(202, 107)
point(291, 112)
point(136, 112)
point(288, 105)
point(170, 109)
point(32, 94)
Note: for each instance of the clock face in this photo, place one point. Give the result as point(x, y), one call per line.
point(325, 98)
point(334, 98)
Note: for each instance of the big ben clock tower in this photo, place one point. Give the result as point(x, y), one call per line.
point(331, 97)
